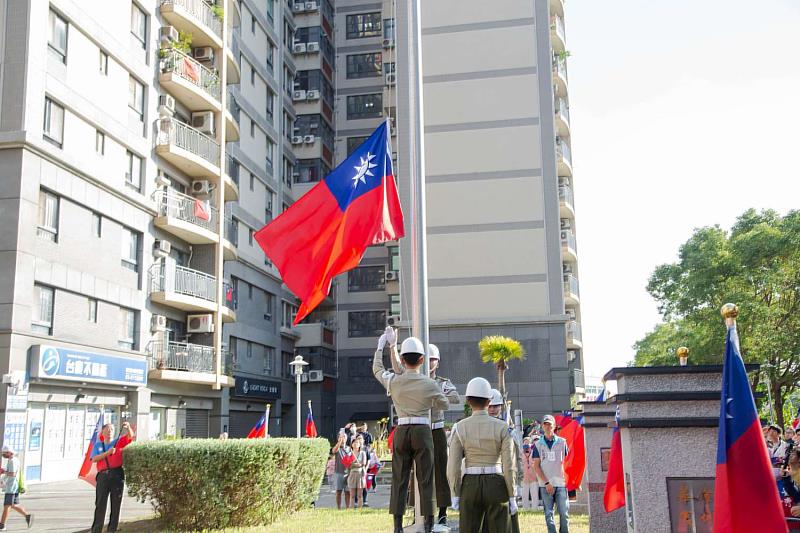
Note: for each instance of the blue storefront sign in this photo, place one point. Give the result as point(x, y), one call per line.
point(257, 388)
point(55, 362)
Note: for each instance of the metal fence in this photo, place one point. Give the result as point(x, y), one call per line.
point(231, 229)
point(565, 194)
point(192, 71)
point(181, 356)
point(563, 109)
point(172, 131)
point(562, 150)
point(557, 24)
point(184, 207)
point(200, 10)
point(183, 280)
point(568, 240)
point(574, 330)
point(571, 285)
point(230, 296)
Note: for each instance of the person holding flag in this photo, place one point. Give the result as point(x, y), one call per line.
point(107, 455)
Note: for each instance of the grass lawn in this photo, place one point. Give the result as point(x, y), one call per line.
point(331, 520)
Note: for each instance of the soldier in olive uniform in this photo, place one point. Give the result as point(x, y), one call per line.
point(414, 396)
point(486, 491)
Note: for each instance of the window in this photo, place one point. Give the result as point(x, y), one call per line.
point(310, 171)
point(127, 331)
point(100, 142)
point(388, 29)
point(252, 24)
point(269, 360)
point(136, 97)
point(270, 153)
point(252, 128)
point(363, 25)
point(269, 304)
point(288, 171)
point(271, 11)
point(389, 68)
point(270, 106)
point(394, 304)
point(53, 122)
point(270, 56)
point(133, 177)
point(92, 310)
point(130, 249)
point(367, 278)
point(359, 368)
point(48, 216)
point(139, 24)
point(250, 234)
point(103, 63)
point(97, 225)
point(364, 106)
point(365, 323)
point(269, 203)
point(250, 291)
point(252, 75)
point(289, 311)
point(364, 65)
point(394, 258)
point(43, 300)
point(249, 350)
point(57, 40)
point(353, 143)
point(252, 182)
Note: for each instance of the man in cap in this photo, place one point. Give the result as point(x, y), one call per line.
point(495, 410)
point(414, 396)
point(549, 453)
point(10, 482)
point(484, 488)
point(443, 500)
point(107, 454)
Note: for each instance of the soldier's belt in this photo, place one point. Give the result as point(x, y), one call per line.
point(478, 470)
point(437, 425)
point(413, 420)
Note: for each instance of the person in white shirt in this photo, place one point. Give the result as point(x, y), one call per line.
point(9, 477)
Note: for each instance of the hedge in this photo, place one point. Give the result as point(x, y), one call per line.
point(210, 484)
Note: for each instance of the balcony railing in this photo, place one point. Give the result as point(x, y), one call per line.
point(233, 169)
point(201, 11)
point(562, 109)
point(172, 131)
point(568, 240)
point(566, 195)
point(233, 108)
point(563, 151)
point(190, 70)
point(171, 203)
point(574, 330)
point(560, 67)
point(577, 380)
point(186, 357)
point(182, 280)
point(557, 24)
point(571, 285)
point(233, 44)
point(231, 229)
point(230, 296)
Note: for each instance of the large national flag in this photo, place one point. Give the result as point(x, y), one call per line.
point(614, 493)
point(259, 431)
point(311, 428)
point(328, 229)
point(575, 462)
point(745, 493)
point(88, 471)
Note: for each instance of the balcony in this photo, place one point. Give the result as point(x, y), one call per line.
point(230, 301)
point(569, 249)
point(231, 240)
point(193, 152)
point(197, 17)
point(314, 335)
point(563, 157)
point(232, 117)
point(186, 217)
point(562, 117)
point(182, 288)
point(558, 35)
point(191, 83)
point(560, 75)
point(577, 383)
point(234, 72)
point(574, 341)
point(571, 290)
point(231, 180)
point(188, 363)
point(566, 201)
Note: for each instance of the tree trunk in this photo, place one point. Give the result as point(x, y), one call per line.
point(501, 378)
point(777, 399)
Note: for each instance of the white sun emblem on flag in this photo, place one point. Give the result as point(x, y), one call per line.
point(364, 169)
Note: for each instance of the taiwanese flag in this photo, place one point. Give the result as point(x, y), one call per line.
point(259, 431)
point(745, 493)
point(796, 421)
point(311, 428)
point(327, 230)
point(614, 493)
point(88, 471)
point(575, 462)
point(201, 210)
point(390, 440)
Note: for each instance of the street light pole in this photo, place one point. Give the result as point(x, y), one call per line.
point(298, 365)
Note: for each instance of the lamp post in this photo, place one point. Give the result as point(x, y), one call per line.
point(298, 365)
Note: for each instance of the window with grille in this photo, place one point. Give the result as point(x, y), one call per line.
point(364, 65)
point(43, 303)
point(363, 25)
point(365, 323)
point(48, 216)
point(362, 106)
point(367, 278)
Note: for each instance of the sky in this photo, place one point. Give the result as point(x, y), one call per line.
point(684, 114)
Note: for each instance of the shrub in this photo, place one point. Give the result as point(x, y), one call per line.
point(210, 483)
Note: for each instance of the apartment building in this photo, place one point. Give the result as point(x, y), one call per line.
point(501, 225)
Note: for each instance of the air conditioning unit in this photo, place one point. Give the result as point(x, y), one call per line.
point(312, 6)
point(393, 320)
point(303, 377)
point(299, 7)
point(204, 54)
point(565, 235)
point(161, 248)
point(315, 375)
point(203, 121)
point(297, 139)
point(168, 35)
point(298, 94)
point(392, 275)
point(166, 105)
point(572, 355)
point(267, 316)
point(158, 323)
point(393, 133)
point(295, 178)
point(201, 187)
point(309, 139)
point(312, 48)
point(390, 78)
point(299, 48)
point(162, 180)
point(312, 95)
point(571, 313)
point(567, 268)
point(388, 43)
point(200, 323)
point(566, 224)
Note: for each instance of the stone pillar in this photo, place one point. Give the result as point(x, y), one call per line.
point(598, 420)
point(139, 409)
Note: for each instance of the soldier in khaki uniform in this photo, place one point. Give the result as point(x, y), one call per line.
point(495, 409)
point(486, 491)
point(443, 500)
point(414, 396)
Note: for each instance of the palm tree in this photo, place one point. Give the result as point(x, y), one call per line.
point(500, 350)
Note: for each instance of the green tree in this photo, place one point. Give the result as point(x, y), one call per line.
point(500, 350)
point(755, 265)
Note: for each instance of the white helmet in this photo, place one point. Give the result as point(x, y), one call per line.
point(433, 351)
point(497, 398)
point(412, 345)
point(479, 388)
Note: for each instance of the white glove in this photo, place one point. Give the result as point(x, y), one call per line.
point(448, 387)
point(512, 505)
point(382, 342)
point(456, 499)
point(391, 336)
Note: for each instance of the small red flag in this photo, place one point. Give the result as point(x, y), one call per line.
point(614, 493)
point(200, 210)
point(259, 431)
point(311, 428)
point(575, 462)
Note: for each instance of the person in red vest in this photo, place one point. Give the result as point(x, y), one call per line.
point(107, 453)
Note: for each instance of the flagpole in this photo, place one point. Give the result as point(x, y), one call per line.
point(266, 420)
